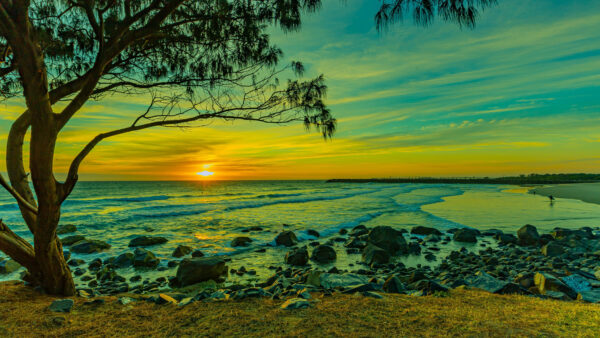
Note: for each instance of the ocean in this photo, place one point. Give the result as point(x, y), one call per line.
point(207, 215)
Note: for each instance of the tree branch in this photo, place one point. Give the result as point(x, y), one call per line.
point(16, 195)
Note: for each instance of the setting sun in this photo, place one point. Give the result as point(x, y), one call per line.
point(205, 173)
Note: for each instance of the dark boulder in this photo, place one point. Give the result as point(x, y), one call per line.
point(313, 233)
point(298, 256)
point(143, 258)
point(547, 282)
point(421, 230)
point(553, 249)
point(427, 287)
point(354, 242)
point(286, 238)
point(506, 239)
point(394, 285)
point(123, 260)
point(359, 230)
point(88, 246)
point(528, 236)
point(181, 250)
point(465, 235)
point(490, 284)
point(147, 241)
point(388, 239)
point(375, 255)
point(323, 254)
point(70, 240)
point(196, 270)
point(241, 241)
point(197, 253)
point(65, 229)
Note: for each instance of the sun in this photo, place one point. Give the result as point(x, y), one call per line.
point(205, 172)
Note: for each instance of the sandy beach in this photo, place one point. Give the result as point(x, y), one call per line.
point(587, 192)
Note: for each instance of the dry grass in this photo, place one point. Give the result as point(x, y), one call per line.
point(24, 313)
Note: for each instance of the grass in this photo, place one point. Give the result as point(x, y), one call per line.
point(24, 313)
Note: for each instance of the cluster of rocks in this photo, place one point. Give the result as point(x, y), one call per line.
point(560, 265)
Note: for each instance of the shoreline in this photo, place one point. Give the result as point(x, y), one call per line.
point(586, 192)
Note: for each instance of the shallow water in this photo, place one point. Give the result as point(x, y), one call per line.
point(208, 215)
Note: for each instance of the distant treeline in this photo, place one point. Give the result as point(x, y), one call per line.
point(522, 179)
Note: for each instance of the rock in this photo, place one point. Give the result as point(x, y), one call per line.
point(313, 233)
point(165, 299)
point(394, 285)
point(181, 250)
point(488, 283)
point(9, 266)
point(553, 249)
point(147, 241)
point(421, 230)
point(333, 280)
point(314, 278)
point(124, 260)
point(427, 287)
point(65, 229)
point(197, 253)
point(323, 254)
point(465, 235)
point(286, 238)
point(95, 264)
point(70, 240)
point(432, 238)
point(592, 296)
point(375, 255)
point(577, 283)
point(354, 242)
point(506, 238)
point(241, 241)
point(76, 262)
point(196, 270)
point(61, 305)
point(144, 259)
point(297, 256)
point(528, 235)
point(546, 282)
point(359, 230)
point(295, 303)
point(372, 294)
point(88, 246)
point(388, 239)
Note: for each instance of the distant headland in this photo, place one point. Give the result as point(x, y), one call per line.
point(519, 180)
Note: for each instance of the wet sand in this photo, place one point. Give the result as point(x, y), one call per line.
point(587, 192)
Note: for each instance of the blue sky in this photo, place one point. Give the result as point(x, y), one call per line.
point(518, 94)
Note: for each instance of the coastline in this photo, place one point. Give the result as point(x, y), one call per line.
point(586, 192)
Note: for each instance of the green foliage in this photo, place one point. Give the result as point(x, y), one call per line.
point(464, 13)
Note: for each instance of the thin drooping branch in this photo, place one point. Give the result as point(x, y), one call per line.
point(16, 195)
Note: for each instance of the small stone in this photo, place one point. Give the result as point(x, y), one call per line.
point(181, 250)
point(394, 285)
point(70, 240)
point(241, 241)
point(422, 230)
point(313, 233)
point(125, 300)
point(144, 258)
point(165, 299)
point(323, 254)
point(89, 246)
point(297, 256)
point(197, 253)
point(286, 238)
point(147, 241)
point(9, 266)
point(61, 305)
point(465, 235)
point(65, 229)
point(553, 249)
point(372, 294)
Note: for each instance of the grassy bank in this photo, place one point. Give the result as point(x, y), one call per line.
point(24, 313)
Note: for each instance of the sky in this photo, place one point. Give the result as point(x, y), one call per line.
point(518, 94)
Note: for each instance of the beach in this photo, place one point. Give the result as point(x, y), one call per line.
point(587, 192)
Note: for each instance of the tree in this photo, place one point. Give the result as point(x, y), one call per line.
point(199, 60)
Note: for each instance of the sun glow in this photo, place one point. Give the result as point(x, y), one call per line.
point(205, 173)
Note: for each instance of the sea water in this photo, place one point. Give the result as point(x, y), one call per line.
point(208, 215)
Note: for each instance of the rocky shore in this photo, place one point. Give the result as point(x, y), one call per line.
point(560, 265)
